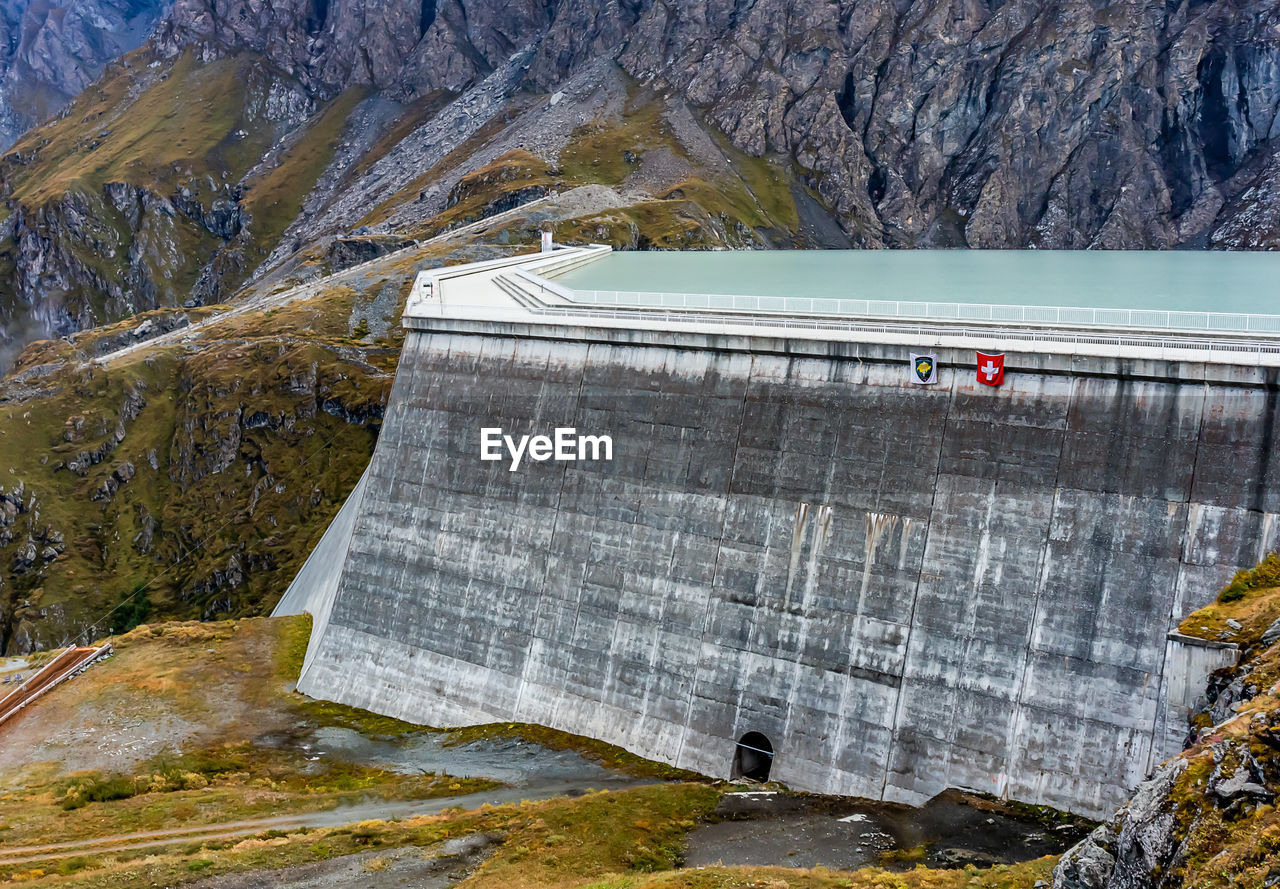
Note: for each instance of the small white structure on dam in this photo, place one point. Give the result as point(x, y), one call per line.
point(798, 561)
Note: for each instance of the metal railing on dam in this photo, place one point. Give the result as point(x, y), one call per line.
point(1072, 316)
point(1260, 350)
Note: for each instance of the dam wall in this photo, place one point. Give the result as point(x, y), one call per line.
point(903, 588)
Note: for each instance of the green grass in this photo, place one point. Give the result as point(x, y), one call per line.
point(1263, 575)
point(598, 152)
point(1016, 876)
point(275, 198)
point(1251, 599)
point(183, 121)
point(560, 842)
point(604, 833)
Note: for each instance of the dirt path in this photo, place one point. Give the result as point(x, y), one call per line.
point(371, 811)
point(308, 289)
point(437, 868)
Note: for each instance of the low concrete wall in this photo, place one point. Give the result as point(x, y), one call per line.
point(904, 588)
point(1188, 662)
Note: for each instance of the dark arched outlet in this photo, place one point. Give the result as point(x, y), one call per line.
point(753, 758)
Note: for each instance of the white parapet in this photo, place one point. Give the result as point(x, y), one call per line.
point(522, 290)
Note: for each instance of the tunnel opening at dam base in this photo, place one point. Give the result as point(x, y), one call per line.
point(752, 758)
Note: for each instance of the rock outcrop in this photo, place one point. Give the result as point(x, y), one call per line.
point(1206, 817)
point(922, 123)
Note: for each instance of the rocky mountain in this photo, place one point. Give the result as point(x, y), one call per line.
point(986, 124)
point(50, 51)
point(249, 132)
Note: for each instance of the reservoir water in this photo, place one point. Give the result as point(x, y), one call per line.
point(1182, 281)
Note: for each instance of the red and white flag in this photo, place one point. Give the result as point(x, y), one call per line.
point(990, 369)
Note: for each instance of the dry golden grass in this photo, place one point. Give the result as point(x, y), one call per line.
point(1256, 610)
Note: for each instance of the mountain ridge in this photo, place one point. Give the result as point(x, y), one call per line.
point(51, 51)
point(921, 124)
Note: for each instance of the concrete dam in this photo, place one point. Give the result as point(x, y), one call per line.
point(798, 561)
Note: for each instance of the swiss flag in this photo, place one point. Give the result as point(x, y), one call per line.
point(990, 369)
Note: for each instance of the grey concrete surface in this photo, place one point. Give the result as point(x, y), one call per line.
point(316, 583)
point(905, 588)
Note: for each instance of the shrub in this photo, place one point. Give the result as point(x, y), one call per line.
point(132, 611)
point(96, 789)
point(69, 866)
point(1264, 575)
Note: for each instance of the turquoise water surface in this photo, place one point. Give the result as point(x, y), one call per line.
point(1181, 281)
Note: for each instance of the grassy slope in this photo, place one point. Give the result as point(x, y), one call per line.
point(275, 197)
point(221, 492)
point(133, 126)
point(210, 691)
point(189, 126)
point(225, 684)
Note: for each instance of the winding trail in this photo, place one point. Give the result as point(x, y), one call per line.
point(308, 289)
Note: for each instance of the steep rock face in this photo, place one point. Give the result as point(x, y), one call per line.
point(415, 44)
point(89, 257)
point(208, 478)
point(962, 122)
point(989, 124)
point(50, 51)
point(147, 207)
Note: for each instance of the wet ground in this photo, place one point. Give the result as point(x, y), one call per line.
point(951, 830)
point(527, 771)
point(749, 828)
point(514, 762)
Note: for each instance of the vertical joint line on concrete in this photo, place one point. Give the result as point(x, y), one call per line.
point(915, 598)
point(555, 524)
point(1184, 542)
point(1035, 605)
point(724, 521)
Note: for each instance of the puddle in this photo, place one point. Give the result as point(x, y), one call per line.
point(511, 761)
point(951, 830)
point(11, 665)
point(754, 828)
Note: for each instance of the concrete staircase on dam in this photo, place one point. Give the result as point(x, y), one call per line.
point(900, 588)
